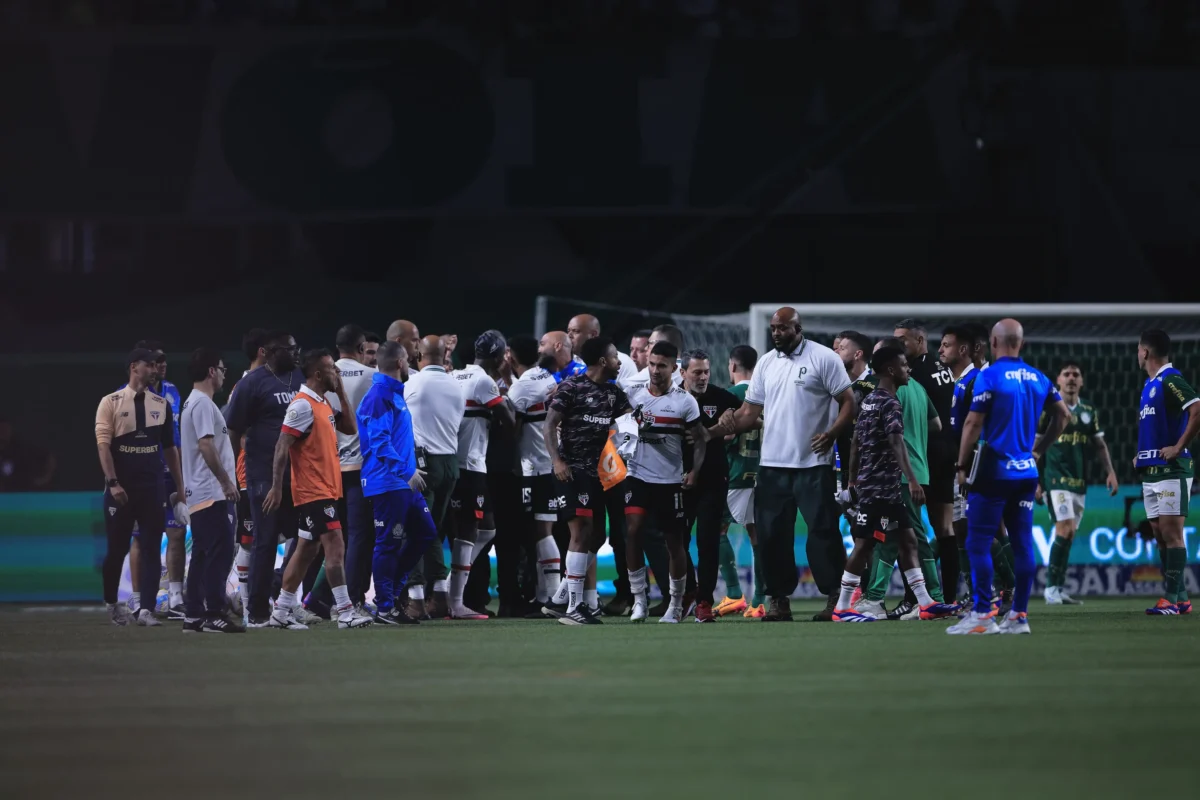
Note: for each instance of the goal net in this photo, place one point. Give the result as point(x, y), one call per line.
point(1101, 337)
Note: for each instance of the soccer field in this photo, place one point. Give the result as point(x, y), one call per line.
point(1099, 702)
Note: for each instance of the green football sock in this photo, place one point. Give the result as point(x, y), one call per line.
point(319, 582)
point(1174, 558)
point(760, 580)
point(733, 586)
point(1056, 568)
point(1002, 558)
point(964, 565)
point(933, 580)
point(1182, 592)
point(882, 562)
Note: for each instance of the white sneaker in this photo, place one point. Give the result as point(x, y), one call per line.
point(283, 618)
point(1067, 600)
point(912, 613)
point(974, 623)
point(146, 619)
point(305, 617)
point(872, 608)
point(1014, 623)
point(353, 618)
point(674, 614)
point(119, 614)
point(640, 611)
point(1053, 596)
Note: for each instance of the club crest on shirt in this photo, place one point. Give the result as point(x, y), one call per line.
point(1085, 418)
point(479, 500)
point(1153, 391)
point(583, 499)
point(628, 496)
point(154, 415)
point(330, 512)
point(112, 512)
point(800, 376)
point(710, 410)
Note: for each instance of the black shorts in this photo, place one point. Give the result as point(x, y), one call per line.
point(582, 496)
point(539, 498)
point(317, 519)
point(878, 521)
point(471, 493)
point(661, 502)
point(245, 527)
point(941, 475)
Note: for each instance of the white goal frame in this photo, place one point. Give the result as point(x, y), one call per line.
point(760, 313)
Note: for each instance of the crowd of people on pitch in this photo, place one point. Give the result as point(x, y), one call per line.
point(367, 460)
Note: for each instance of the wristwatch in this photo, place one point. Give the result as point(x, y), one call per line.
point(111, 482)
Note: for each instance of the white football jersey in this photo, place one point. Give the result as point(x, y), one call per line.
point(529, 395)
point(661, 422)
point(481, 395)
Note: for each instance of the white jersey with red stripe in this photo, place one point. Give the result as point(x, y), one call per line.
point(661, 421)
point(530, 396)
point(482, 395)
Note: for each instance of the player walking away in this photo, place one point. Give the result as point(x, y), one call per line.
point(1167, 423)
point(806, 395)
point(1008, 402)
point(256, 354)
point(135, 436)
point(436, 404)
point(257, 410)
point(639, 349)
point(879, 457)
point(530, 397)
point(583, 327)
point(938, 383)
point(407, 335)
point(393, 483)
point(705, 504)
point(1064, 476)
point(371, 342)
point(576, 428)
point(212, 495)
point(742, 452)
point(957, 352)
point(309, 439)
point(471, 501)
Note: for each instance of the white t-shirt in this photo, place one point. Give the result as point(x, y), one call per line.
point(798, 392)
point(435, 401)
point(627, 429)
point(480, 395)
point(628, 367)
point(200, 418)
point(528, 396)
point(356, 380)
point(661, 421)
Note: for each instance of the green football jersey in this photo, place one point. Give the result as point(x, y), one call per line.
point(743, 450)
point(918, 411)
point(1065, 468)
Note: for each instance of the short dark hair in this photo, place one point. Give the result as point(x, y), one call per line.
point(744, 356)
point(673, 334)
point(350, 338)
point(524, 349)
point(594, 349)
point(1070, 362)
point(642, 333)
point(695, 354)
point(888, 341)
point(372, 337)
point(910, 324)
point(312, 359)
point(1157, 341)
point(961, 333)
point(274, 337)
point(884, 357)
point(149, 344)
point(980, 334)
point(203, 359)
point(252, 342)
point(665, 349)
point(389, 356)
point(861, 341)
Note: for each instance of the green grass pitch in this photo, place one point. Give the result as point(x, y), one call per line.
point(1101, 701)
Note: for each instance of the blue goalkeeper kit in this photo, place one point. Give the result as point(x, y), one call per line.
point(403, 525)
point(1011, 395)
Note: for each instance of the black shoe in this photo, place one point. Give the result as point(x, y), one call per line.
point(193, 625)
point(518, 610)
point(1006, 602)
point(660, 609)
point(554, 610)
point(619, 607)
point(536, 612)
point(582, 615)
point(322, 610)
point(394, 616)
point(780, 610)
point(905, 607)
point(176, 612)
point(225, 622)
point(826, 614)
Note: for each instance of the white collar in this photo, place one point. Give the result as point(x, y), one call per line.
point(796, 351)
point(966, 370)
point(866, 371)
point(304, 388)
point(1163, 369)
point(742, 383)
point(434, 367)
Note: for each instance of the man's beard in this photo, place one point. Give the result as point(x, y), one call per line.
point(548, 363)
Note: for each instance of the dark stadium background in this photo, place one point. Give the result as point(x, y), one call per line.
point(185, 171)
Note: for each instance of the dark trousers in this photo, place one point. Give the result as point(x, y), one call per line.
point(705, 507)
point(505, 491)
point(613, 512)
point(405, 529)
point(267, 529)
point(441, 475)
point(212, 556)
point(359, 527)
point(145, 507)
point(780, 493)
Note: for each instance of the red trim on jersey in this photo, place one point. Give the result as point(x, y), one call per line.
point(667, 420)
point(494, 401)
point(536, 407)
point(880, 536)
point(473, 404)
point(292, 431)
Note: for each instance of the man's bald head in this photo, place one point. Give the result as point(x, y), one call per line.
point(404, 332)
point(581, 328)
point(555, 350)
point(1007, 337)
point(786, 329)
point(431, 350)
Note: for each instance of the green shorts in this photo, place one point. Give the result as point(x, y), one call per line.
point(914, 512)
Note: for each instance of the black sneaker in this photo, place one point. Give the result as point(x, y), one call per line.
point(225, 622)
point(780, 610)
point(619, 607)
point(394, 616)
point(176, 612)
point(905, 607)
point(193, 625)
point(826, 613)
point(554, 610)
point(1006, 602)
point(582, 615)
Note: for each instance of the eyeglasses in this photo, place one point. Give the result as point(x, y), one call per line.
point(222, 369)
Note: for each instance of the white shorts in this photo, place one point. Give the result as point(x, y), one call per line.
point(741, 505)
point(1066, 506)
point(960, 506)
point(1169, 498)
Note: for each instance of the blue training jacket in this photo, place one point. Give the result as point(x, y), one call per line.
point(386, 437)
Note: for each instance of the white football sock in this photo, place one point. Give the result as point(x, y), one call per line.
point(549, 567)
point(591, 597)
point(341, 598)
point(561, 593)
point(460, 570)
point(440, 586)
point(916, 582)
point(242, 564)
point(677, 588)
point(416, 593)
point(483, 542)
point(576, 570)
point(175, 588)
point(638, 584)
point(134, 602)
point(286, 600)
point(850, 582)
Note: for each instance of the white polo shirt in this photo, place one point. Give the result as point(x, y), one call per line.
point(435, 401)
point(628, 368)
point(798, 392)
point(356, 380)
